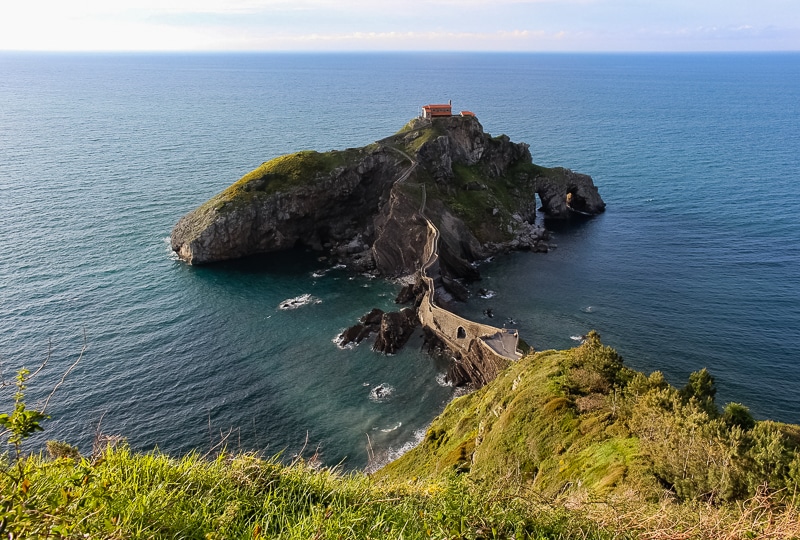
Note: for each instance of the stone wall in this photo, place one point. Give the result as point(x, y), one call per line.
point(478, 362)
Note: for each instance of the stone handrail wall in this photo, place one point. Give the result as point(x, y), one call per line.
point(457, 332)
point(482, 350)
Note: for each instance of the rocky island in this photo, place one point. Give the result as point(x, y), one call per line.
point(478, 191)
point(425, 202)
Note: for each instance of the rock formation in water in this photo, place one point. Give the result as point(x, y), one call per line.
point(393, 329)
point(477, 189)
point(429, 201)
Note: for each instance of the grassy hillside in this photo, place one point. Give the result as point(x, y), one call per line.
point(564, 444)
point(283, 173)
point(579, 419)
point(484, 200)
point(120, 494)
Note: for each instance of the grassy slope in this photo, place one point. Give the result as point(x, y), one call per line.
point(560, 420)
point(127, 495)
point(530, 432)
point(564, 444)
point(285, 172)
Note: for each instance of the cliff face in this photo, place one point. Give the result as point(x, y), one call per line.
point(327, 207)
point(478, 189)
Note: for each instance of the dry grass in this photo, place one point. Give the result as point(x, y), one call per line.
point(762, 516)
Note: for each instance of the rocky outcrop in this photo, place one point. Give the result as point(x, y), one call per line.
point(576, 188)
point(479, 192)
point(394, 329)
point(329, 210)
point(427, 201)
point(369, 323)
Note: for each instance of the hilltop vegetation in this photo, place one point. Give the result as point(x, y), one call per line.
point(561, 420)
point(564, 444)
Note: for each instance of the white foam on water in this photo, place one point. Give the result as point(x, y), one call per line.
point(171, 255)
point(441, 380)
point(461, 391)
point(298, 301)
point(416, 438)
point(381, 393)
point(339, 339)
point(393, 428)
point(394, 452)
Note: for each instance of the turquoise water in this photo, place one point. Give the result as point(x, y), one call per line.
point(694, 264)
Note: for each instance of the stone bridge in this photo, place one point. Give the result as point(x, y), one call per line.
point(480, 351)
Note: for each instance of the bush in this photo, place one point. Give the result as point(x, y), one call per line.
point(736, 414)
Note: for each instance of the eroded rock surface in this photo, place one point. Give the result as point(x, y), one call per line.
point(477, 189)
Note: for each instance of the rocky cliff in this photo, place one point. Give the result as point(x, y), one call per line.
point(478, 190)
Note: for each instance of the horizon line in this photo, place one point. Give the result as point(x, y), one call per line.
point(387, 51)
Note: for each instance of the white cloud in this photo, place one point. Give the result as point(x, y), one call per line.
point(388, 24)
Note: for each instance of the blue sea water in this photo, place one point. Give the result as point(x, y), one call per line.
point(694, 264)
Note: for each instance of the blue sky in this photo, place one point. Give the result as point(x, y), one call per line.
point(381, 25)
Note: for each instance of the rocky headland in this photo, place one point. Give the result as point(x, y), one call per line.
point(479, 192)
point(425, 203)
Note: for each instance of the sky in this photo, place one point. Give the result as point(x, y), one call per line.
point(407, 25)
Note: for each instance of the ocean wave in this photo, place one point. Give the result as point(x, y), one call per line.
point(486, 293)
point(441, 380)
point(577, 338)
point(588, 309)
point(381, 393)
point(171, 254)
point(339, 339)
point(395, 452)
point(393, 428)
point(298, 301)
point(462, 391)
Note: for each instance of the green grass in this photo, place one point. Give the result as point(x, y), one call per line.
point(128, 495)
point(284, 173)
point(280, 174)
point(563, 444)
point(559, 419)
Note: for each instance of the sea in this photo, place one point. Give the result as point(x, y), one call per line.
point(695, 263)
